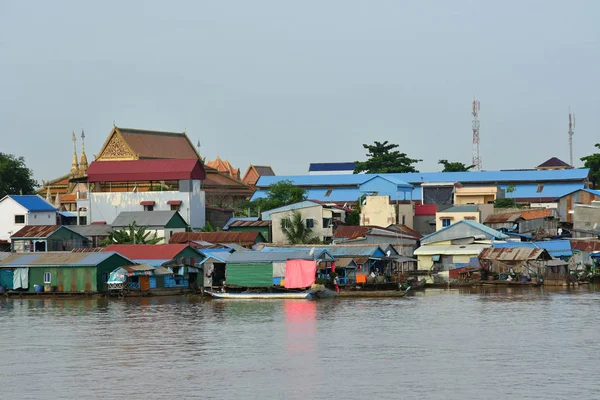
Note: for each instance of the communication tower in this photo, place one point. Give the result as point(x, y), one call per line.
point(476, 159)
point(571, 133)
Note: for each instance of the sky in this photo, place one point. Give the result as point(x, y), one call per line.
point(283, 83)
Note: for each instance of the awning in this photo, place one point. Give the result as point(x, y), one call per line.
point(147, 203)
point(435, 257)
point(174, 202)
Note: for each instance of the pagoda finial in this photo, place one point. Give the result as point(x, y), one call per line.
point(74, 164)
point(48, 195)
point(83, 163)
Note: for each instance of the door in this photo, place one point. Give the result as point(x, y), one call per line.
point(6, 278)
point(144, 283)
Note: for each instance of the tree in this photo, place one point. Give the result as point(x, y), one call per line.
point(296, 231)
point(280, 194)
point(505, 203)
point(133, 234)
point(382, 158)
point(353, 218)
point(15, 177)
point(455, 166)
point(593, 163)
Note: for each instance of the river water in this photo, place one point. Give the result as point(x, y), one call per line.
point(440, 344)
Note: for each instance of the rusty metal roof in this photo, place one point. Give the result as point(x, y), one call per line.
point(513, 216)
point(35, 231)
point(243, 238)
point(514, 254)
point(253, 224)
point(57, 258)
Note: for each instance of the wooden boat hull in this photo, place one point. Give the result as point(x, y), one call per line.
point(260, 296)
point(371, 293)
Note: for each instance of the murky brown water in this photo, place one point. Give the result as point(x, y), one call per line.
point(492, 344)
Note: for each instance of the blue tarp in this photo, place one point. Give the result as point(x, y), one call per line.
point(556, 248)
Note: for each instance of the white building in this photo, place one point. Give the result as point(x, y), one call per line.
point(318, 216)
point(145, 185)
point(17, 212)
point(160, 224)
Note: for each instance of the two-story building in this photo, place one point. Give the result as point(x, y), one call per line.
point(16, 212)
point(318, 216)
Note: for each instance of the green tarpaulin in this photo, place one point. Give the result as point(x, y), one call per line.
point(6, 278)
point(249, 275)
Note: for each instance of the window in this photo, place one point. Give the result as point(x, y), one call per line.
point(326, 222)
point(47, 277)
point(19, 219)
point(175, 207)
point(540, 188)
point(170, 234)
point(446, 222)
point(328, 192)
point(149, 208)
point(310, 223)
point(285, 223)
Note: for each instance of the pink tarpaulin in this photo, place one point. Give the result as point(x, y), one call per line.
point(300, 273)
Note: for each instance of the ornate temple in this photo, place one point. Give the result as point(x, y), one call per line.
point(124, 144)
point(225, 167)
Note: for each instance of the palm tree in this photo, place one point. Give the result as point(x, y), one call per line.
point(133, 234)
point(296, 230)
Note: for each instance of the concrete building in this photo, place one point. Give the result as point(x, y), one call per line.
point(160, 224)
point(567, 203)
point(477, 195)
point(318, 216)
point(176, 186)
point(16, 212)
point(381, 211)
point(454, 214)
point(586, 220)
point(542, 222)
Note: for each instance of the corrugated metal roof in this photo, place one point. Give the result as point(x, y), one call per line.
point(153, 263)
point(148, 251)
point(533, 176)
point(514, 254)
point(594, 192)
point(145, 170)
point(556, 248)
point(460, 209)
point(450, 249)
point(32, 202)
point(234, 246)
point(513, 216)
point(249, 224)
point(146, 218)
point(58, 259)
point(335, 250)
point(221, 257)
point(336, 166)
point(226, 226)
point(244, 238)
point(92, 230)
point(269, 256)
point(35, 231)
point(446, 233)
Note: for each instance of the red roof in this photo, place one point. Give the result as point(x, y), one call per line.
point(242, 238)
point(350, 232)
point(513, 216)
point(147, 251)
point(147, 203)
point(145, 170)
point(554, 162)
point(35, 231)
point(425, 209)
point(174, 202)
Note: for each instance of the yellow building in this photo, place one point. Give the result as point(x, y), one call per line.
point(379, 211)
point(455, 214)
point(477, 195)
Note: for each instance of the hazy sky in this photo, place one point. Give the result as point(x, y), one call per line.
point(288, 83)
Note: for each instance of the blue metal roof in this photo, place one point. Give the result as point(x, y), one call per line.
point(476, 225)
point(33, 203)
point(556, 248)
point(152, 263)
point(266, 216)
point(339, 166)
point(58, 259)
point(545, 190)
point(594, 192)
point(222, 256)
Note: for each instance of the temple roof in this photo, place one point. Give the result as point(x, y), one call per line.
point(225, 167)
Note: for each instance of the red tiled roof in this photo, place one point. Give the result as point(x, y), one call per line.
point(156, 144)
point(513, 216)
point(35, 231)
point(243, 238)
point(145, 170)
point(147, 251)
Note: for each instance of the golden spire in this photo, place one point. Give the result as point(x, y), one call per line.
point(74, 164)
point(83, 163)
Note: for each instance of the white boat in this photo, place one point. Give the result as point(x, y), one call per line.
point(259, 296)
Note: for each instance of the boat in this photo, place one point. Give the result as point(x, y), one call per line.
point(259, 296)
point(413, 284)
point(372, 293)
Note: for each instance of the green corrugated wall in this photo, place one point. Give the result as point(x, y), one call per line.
point(249, 275)
point(65, 279)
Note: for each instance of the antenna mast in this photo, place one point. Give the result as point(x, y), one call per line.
point(476, 159)
point(571, 133)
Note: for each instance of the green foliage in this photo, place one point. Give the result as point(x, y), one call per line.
point(505, 203)
point(353, 218)
point(15, 177)
point(133, 234)
point(382, 158)
point(279, 194)
point(593, 163)
point(296, 232)
point(455, 166)
point(208, 228)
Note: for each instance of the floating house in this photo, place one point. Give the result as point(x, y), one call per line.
point(62, 272)
point(163, 223)
point(542, 222)
point(16, 212)
point(137, 279)
point(36, 238)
